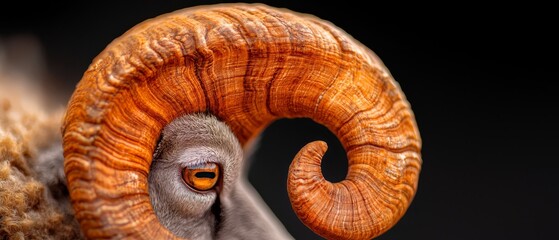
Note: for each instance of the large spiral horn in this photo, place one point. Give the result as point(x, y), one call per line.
point(248, 65)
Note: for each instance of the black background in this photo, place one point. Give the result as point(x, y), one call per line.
point(479, 80)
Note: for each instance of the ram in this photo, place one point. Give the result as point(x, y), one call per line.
point(153, 135)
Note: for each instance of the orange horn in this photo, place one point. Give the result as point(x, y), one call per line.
point(248, 64)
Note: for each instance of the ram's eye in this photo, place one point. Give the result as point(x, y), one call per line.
point(201, 177)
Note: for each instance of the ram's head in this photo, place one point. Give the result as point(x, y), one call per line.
point(154, 132)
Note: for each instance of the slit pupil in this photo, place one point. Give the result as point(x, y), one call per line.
point(205, 175)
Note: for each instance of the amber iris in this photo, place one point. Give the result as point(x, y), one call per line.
point(201, 177)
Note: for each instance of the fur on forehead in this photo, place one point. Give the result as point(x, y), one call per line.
point(197, 130)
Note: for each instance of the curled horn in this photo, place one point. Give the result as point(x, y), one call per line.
point(248, 65)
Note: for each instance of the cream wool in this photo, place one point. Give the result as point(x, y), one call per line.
point(33, 198)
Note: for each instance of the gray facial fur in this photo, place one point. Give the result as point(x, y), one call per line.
point(232, 210)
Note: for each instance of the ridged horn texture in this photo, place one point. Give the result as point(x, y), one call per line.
point(248, 65)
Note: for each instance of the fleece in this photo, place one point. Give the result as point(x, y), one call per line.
point(34, 201)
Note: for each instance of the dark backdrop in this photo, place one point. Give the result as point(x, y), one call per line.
point(479, 80)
